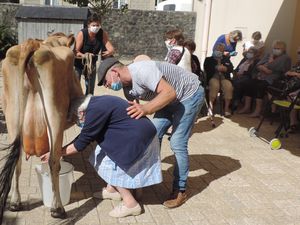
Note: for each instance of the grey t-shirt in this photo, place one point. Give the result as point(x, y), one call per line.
point(147, 74)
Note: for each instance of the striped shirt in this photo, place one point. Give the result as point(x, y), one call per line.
point(147, 74)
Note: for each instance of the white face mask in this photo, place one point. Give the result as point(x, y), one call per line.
point(94, 29)
point(277, 52)
point(168, 44)
point(249, 55)
point(231, 39)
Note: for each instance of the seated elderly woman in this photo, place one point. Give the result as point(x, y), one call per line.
point(271, 67)
point(218, 68)
point(243, 73)
point(256, 42)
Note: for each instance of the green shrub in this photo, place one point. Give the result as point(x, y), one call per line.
point(8, 38)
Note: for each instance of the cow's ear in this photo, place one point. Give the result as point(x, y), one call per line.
point(71, 40)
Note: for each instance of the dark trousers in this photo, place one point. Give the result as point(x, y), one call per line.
point(256, 88)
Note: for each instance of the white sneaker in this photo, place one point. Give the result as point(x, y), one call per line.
point(104, 194)
point(121, 211)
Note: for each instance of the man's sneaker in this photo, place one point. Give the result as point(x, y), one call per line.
point(176, 199)
point(104, 194)
point(121, 211)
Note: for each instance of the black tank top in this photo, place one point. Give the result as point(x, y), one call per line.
point(90, 46)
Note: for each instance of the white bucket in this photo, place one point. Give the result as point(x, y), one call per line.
point(65, 182)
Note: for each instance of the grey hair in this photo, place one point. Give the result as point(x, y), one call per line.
point(218, 45)
point(77, 105)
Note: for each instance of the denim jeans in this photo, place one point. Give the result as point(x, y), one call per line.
point(181, 116)
point(89, 83)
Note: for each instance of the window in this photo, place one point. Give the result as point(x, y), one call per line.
point(51, 2)
point(169, 7)
point(118, 3)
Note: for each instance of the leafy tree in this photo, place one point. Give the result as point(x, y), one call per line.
point(101, 7)
point(8, 38)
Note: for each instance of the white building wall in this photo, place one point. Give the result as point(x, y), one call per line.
point(42, 2)
point(141, 4)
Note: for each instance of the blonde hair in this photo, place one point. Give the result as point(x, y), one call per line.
point(279, 43)
point(236, 34)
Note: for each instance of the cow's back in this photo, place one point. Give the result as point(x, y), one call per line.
point(45, 78)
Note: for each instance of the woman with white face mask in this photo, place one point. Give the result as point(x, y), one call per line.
point(242, 74)
point(91, 39)
point(177, 53)
point(270, 68)
point(256, 42)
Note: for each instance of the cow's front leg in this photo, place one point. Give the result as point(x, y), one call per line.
point(15, 202)
point(57, 210)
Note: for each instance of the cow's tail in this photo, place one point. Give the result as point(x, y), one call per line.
point(8, 163)
point(27, 50)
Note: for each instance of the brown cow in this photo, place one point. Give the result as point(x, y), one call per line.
point(38, 87)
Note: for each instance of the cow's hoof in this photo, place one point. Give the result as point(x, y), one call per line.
point(15, 207)
point(58, 213)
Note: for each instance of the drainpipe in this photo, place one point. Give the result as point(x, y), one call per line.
point(207, 14)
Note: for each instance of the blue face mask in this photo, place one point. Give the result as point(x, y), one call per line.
point(80, 124)
point(116, 86)
point(81, 119)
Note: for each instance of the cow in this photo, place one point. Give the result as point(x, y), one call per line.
point(39, 84)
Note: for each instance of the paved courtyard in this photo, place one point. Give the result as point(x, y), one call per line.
point(234, 179)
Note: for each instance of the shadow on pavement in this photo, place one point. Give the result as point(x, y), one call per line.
point(211, 167)
point(205, 124)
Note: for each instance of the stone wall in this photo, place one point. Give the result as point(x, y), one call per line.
point(133, 32)
point(142, 32)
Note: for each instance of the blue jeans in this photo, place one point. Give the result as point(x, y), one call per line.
point(89, 83)
point(180, 115)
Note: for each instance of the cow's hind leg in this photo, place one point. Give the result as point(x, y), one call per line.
point(15, 202)
point(57, 210)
